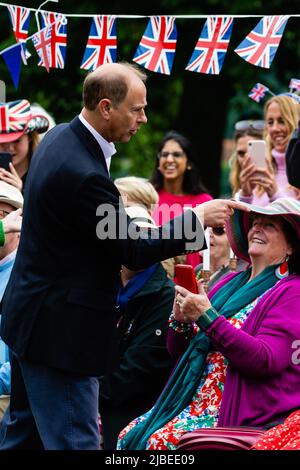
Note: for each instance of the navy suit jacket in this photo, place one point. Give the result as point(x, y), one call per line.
point(59, 305)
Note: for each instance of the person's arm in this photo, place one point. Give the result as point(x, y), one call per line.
point(5, 374)
point(269, 352)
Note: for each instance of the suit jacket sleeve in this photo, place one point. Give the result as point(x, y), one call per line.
point(99, 207)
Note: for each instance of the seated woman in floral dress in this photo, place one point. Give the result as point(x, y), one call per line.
point(234, 347)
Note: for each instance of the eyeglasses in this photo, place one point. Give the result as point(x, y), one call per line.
point(3, 213)
point(249, 124)
point(218, 231)
point(177, 154)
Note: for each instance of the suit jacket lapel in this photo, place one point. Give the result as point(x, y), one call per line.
point(89, 141)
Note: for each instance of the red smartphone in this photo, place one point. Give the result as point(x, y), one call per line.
point(185, 277)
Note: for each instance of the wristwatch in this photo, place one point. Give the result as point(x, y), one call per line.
point(207, 318)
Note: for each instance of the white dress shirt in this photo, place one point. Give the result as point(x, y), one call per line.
point(107, 148)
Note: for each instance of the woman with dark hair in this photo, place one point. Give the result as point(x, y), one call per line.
point(177, 180)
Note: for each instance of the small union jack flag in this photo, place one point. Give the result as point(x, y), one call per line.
point(156, 50)
point(210, 50)
point(261, 44)
point(20, 17)
point(295, 84)
point(258, 92)
point(59, 38)
point(101, 46)
point(42, 44)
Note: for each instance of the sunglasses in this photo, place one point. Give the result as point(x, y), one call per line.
point(177, 154)
point(218, 231)
point(248, 125)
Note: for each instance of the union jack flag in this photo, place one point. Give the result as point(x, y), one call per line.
point(42, 44)
point(295, 84)
point(20, 17)
point(258, 92)
point(14, 116)
point(260, 46)
point(156, 50)
point(101, 46)
point(210, 50)
point(59, 38)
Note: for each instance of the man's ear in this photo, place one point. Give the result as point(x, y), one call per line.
point(104, 107)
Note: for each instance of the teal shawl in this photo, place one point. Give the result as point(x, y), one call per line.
point(183, 383)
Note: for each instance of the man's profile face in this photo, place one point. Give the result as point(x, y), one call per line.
point(127, 118)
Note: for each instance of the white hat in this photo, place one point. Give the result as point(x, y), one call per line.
point(11, 195)
point(140, 216)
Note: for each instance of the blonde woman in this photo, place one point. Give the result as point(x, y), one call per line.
point(244, 132)
point(266, 185)
point(140, 192)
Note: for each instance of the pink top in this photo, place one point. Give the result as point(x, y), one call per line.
point(283, 185)
point(172, 205)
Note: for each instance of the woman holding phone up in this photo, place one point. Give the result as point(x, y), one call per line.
point(264, 185)
point(19, 137)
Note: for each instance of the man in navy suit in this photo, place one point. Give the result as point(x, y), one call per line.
point(58, 312)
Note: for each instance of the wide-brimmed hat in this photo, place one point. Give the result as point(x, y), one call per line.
point(11, 195)
point(140, 216)
point(238, 225)
point(16, 119)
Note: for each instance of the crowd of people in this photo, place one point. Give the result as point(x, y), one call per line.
point(100, 348)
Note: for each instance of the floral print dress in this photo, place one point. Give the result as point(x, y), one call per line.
point(285, 436)
point(203, 411)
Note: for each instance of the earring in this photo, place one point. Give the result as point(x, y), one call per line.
point(283, 269)
point(189, 167)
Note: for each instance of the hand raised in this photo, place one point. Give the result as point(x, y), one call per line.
point(215, 213)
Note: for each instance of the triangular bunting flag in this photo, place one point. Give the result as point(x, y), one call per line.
point(42, 44)
point(156, 50)
point(12, 57)
point(261, 44)
point(101, 47)
point(59, 38)
point(20, 17)
point(210, 50)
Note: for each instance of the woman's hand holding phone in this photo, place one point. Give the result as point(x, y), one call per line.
point(248, 170)
point(266, 179)
point(11, 177)
point(192, 306)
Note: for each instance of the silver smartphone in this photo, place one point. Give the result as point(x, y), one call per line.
point(257, 152)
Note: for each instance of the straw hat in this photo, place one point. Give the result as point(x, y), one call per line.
point(11, 195)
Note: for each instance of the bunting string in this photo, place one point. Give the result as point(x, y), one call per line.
point(157, 48)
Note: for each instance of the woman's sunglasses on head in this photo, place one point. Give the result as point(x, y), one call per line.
point(257, 125)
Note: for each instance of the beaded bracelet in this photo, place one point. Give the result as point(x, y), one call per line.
point(181, 327)
point(2, 234)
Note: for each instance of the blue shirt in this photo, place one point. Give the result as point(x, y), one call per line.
point(6, 266)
